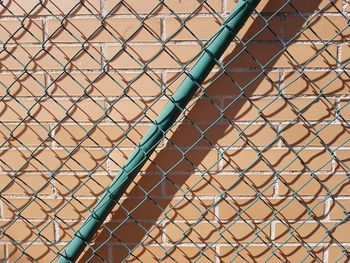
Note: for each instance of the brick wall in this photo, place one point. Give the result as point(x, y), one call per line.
point(256, 168)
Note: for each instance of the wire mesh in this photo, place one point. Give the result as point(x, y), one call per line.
point(256, 168)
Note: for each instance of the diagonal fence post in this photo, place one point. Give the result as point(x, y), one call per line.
point(207, 60)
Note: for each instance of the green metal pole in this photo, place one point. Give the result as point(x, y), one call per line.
point(216, 47)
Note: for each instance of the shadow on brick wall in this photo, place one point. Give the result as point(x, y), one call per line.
point(173, 185)
point(193, 172)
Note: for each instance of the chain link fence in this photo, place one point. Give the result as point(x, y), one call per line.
point(256, 168)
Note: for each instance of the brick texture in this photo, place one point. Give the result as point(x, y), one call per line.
point(313, 82)
point(52, 7)
point(256, 169)
point(105, 84)
point(22, 85)
point(134, 7)
point(259, 253)
point(14, 32)
point(110, 30)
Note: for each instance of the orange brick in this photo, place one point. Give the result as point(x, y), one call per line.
point(301, 54)
point(251, 83)
point(204, 111)
point(221, 135)
point(339, 208)
point(84, 110)
point(263, 253)
point(53, 57)
point(338, 254)
point(67, 229)
point(114, 30)
point(279, 109)
point(13, 31)
point(314, 6)
point(186, 232)
point(95, 253)
point(155, 7)
point(205, 232)
point(263, 6)
point(96, 185)
point(85, 160)
point(101, 135)
point(344, 110)
point(148, 253)
point(343, 160)
point(312, 232)
point(154, 56)
point(320, 27)
point(345, 57)
point(87, 58)
point(313, 83)
point(27, 231)
point(25, 184)
point(25, 160)
point(318, 135)
point(259, 28)
point(190, 209)
point(72, 209)
point(197, 185)
point(22, 85)
point(273, 55)
point(118, 158)
point(231, 83)
point(2, 252)
point(174, 160)
point(141, 209)
point(177, 136)
point(33, 252)
point(24, 134)
point(130, 233)
point(136, 110)
point(277, 159)
point(245, 232)
point(305, 184)
point(257, 135)
point(50, 110)
point(145, 184)
point(51, 7)
point(194, 160)
point(15, 58)
point(303, 232)
point(258, 209)
point(93, 185)
point(192, 28)
point(107, 84)
point(16, 110)
point(13, 160)
point(28, 208)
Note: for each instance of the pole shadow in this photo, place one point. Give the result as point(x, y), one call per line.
point(173, 183)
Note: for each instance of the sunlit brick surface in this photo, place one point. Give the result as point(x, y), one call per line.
point(256, 168)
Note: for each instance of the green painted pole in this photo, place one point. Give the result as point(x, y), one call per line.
point(216, 47)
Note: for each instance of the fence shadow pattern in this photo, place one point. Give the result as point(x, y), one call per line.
point(255, 170)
